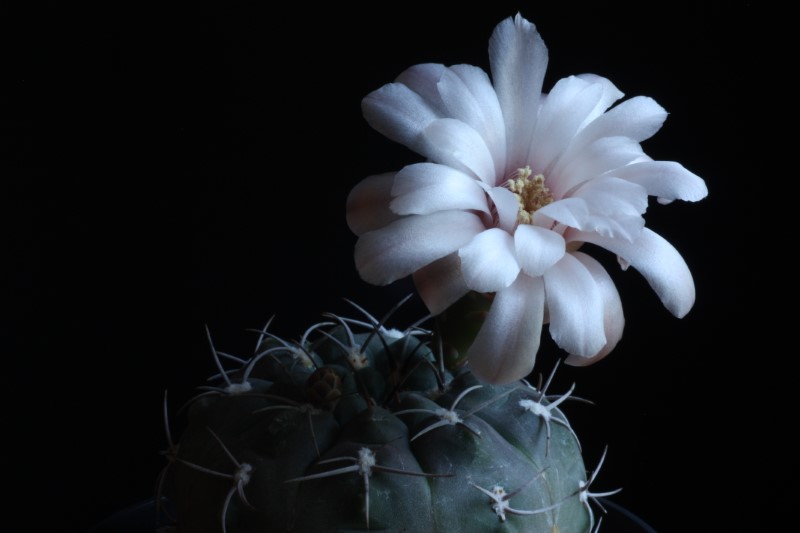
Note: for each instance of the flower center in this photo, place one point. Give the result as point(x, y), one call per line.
point(531, 193)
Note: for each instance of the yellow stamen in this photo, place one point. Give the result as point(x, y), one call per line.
point(531, 193)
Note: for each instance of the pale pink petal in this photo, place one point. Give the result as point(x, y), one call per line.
point(537, 248)
point(626, 227)
point(368, 204)
point(611, 196)
point(481, 88)
point(507, 207)
point(408, 244)
point(666, 180)
point(563, 111)
point(610, 95)
point(488, 261)
point(399, 113)
point(575, 304)
point(571, 212)
point(505, 347)
point(578, 213)
point(459, 103)
point(422, 79)
point(614, 207)
point(638, 118)
point(518, 58)
point(454, 143)
point(613, 318)
point(440, 284)
point(425, 188)
point(599, 157)
point(657, 260)
point(468, 96)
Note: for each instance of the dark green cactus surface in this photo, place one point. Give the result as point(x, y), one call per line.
point(356, 427)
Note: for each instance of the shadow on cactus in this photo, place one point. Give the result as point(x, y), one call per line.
point(360, 427)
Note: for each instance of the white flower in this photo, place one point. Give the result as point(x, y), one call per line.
point(516, 181)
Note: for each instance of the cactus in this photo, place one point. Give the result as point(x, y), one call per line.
point(356, 427)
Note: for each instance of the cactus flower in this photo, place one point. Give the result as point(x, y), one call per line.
point(515, 181)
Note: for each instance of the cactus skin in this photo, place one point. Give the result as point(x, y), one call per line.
point(361, 430)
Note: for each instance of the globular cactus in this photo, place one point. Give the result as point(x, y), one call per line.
point(356, 427)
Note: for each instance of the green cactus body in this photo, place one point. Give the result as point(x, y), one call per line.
point(361, 430)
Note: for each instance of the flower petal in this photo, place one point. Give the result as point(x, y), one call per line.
point(368, 204)
point(488, 261)
point(422, 79)
point(666, 180)
point(425, 188)
point(657, 260)
point(571, 212)
point(518, 59)
point(399, 113)
point(459, 103)
point(610, 95)
point(614, 207)
point(408, 244)
point(507, 206)
point(575, 306)
point(441, 284)
point(506, 345)
point(599, 157)
point(563, 111)
point(627, 227)
point(613, 317)
point(638, 118)
point(481, 87)
point(611, 196)
point(454, 143)
point(537, 248)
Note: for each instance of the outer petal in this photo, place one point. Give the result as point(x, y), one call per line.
point(638, 118)
point(368, 204)
point(454, 143)
point(488, 261)
point(441, 284)
point(601, 156)
point(518, 58)
point(537, 248)
point(424, 188)
point(666, 180)
point(567, 106)
point(615, 207)
point(610, 196)
point(610, 95)
point(598, 146)
point(399, 113)
point(627, 227)
point(408, 244)
point(460, 103)
point(571, 212)
point(657, 260)
point(574, 213)
point(613, 318)
point(422, 79)
point(481, 87)
point(506, 345)
point(575, 306)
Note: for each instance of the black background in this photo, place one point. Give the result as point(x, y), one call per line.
point(169, 168)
